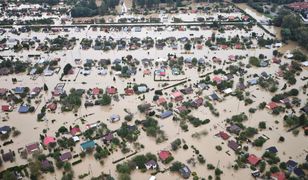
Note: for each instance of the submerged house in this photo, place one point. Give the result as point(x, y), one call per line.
point(151, 164)
point(233, 145)
point(177, 96)
point(66, 156)
point(32, 147)
point(185, 172)
point(164, 155)
point(214, 97)
point(253, 159)
point(166, 114)
point(23, 109)
point(87, 145)
point(114, 118)
point(234, 129)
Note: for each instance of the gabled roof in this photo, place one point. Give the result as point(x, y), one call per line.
point(48, 140)
point(163, 155)
point(19, 90)
point(291, 163)
point(75, 131)
point(6, 108)
point(271, 105)
point(32, 147)
point(23, 109)
point(272, 149)
point(166, 114)
point(279, 175)
point(233, 145)
point(223, 135)
point(253, 159)
point(9, 156)
point(299, 172)
point(66, 156)
point(87, 145)
point(45, 164)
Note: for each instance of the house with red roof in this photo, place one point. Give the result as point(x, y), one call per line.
point(48, 139)
point(278, 176)
point(112, 90)
point(217, 79)
point(164, 155)
point(276, 60)
point(147, 72)
point(95, 91)
point(177, 96)
point(231, 18)
point(253, 159)
point(129, 91)
point(161, 100)
point(75, 131)
point(231, 58)
point(245, 18)
point(7, 108)
point(199, 46)
point(271, 105)
point(180, 109)
point(238, 46)
point(224, 46)
point(52, 106)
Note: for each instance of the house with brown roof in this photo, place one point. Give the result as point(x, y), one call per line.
point(235, 129)
point(9, 156)
point(197, 102)
point(32, 147)
point(233, 145)
point(66, 156)
point(223, 135)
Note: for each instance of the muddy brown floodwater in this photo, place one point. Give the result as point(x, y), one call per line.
point(30, 129)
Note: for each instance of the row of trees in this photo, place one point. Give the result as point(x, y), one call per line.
point(90, 8)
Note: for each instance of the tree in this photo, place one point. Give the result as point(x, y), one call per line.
point(8, 175)
point(262, 125)
point(291, 21)
point(286, 34)
point(254, 61)
point(187, 46)
point(124, 176)
point(67, 68)
point(45, 87)
point(34, 167)
point(105, 100)
point(67, 166)
point(176, 166)
point(123, 168)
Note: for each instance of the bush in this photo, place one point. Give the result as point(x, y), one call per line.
point(77, 162)
point(210, 166)
point(262, 125)
point(219, 148)
point(185, 146)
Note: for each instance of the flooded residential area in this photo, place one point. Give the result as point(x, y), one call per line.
point(145, 90)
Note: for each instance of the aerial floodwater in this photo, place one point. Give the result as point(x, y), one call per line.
point(145, 90)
